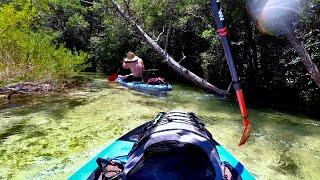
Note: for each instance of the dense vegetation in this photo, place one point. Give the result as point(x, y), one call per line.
point(270, 70)
point(29, 51)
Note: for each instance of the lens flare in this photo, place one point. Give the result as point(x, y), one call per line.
point(276, 17)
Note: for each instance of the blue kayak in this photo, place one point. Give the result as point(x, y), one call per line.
point(142, 86)
point(123, 146)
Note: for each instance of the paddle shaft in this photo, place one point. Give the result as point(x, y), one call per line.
point(222, 29)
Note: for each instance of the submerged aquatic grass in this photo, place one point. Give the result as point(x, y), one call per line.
point(51, 137)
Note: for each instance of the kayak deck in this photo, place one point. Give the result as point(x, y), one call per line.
point(123, 145)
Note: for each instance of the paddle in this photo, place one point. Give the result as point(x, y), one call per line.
point(113, 76)
point(222, 29)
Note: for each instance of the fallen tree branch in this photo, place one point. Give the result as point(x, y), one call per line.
point(182, 71)
point(183, 57)
point(309, 65)
point(229, 87)
point(157, 38)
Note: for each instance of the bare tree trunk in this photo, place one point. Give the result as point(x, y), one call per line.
point(167, 58)
point(305, 58)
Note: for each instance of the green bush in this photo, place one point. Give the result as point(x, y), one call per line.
point(32, 55)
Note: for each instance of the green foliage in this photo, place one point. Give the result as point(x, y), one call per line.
point(207, 34)
point(28, 55)
point(77, 22)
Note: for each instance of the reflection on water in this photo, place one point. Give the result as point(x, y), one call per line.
point(50, 137)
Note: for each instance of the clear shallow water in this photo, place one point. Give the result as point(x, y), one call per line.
point(50, 137)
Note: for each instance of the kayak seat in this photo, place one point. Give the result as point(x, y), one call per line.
point(173, 161)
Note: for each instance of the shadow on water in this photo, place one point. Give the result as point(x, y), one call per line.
point(14, 129)
point(55, 107)
point(287, 164)
point(150, 94)
point(16, 103)
point(18, 128)
point(10, 105)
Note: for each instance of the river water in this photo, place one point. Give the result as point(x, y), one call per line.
point(49, 137)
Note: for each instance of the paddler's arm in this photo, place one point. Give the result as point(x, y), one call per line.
point(140, 61)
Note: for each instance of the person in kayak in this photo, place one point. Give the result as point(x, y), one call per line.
point(136, 66)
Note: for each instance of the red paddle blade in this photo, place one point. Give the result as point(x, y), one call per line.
point(113, 77)
point(246, 134)
point(247, 126)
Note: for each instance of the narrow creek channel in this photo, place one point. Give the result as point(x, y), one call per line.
point(49, 137)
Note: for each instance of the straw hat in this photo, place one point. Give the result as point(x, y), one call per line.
point(131, 57)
